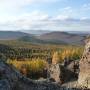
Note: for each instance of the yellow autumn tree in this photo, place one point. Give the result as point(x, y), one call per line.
point(55, 58)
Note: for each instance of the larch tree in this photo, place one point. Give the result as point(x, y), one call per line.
point(55, 58)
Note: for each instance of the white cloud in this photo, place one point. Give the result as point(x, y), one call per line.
point(35, 15)
point(9, 9)
point(40, 20)
point(28, 20)
point(86, 6)
point(67, 8)
point(61, 17)
point(83, 18)
point(19, 3)
point(65, 12)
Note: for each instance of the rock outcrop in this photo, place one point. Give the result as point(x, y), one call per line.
point(60, 74)
point(11, 79)
point(84, 75)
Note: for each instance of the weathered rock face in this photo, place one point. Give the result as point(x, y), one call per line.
point(84, 75)
point(11, 79)
point(55, 72)
point(74, 67)
point(60, 74)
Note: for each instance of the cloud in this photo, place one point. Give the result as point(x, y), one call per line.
point(72, 12)
point(11, 8)
point(35, 15)
point(19, 3)
point(66, 12)
point(64, 20)
point(61, 17)
point(86, 6)
point(42, 21)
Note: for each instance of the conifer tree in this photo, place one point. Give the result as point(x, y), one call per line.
point(55, 58)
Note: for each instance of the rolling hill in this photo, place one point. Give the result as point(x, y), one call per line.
point(47, 38)
point(36, 32)
point(10, 35)
point(35, 40)
point(68, 38)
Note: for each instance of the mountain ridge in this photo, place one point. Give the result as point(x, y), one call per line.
point(9, 35)
point(63, 36)
point(55, 37)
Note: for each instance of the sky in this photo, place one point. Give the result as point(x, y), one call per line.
point(59, 15)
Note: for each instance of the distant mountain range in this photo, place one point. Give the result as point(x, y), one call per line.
point(55, 37)
point(68, 38)
point(36, 40)
point(36, 32)
point(40, 32)
point(10, 35)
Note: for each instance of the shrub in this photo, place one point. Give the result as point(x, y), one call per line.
point(30, 68)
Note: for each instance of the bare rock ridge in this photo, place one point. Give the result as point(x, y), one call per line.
point(84, 75)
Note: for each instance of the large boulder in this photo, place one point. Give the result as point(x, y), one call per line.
point(74, 67)
point(84, 75)
point(60, 74)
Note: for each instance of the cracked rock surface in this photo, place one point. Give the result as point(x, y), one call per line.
point(84, 75)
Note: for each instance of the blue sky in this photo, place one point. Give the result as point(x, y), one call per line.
point(62, 15)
